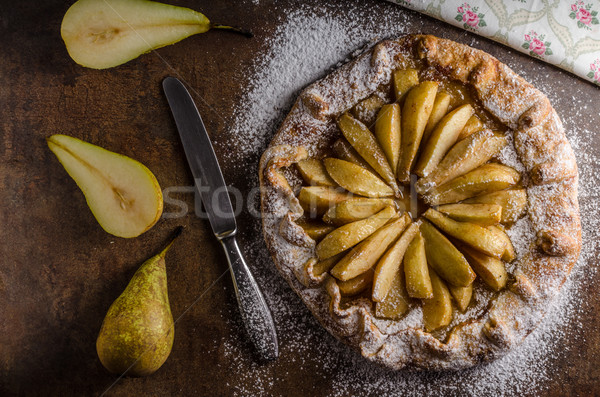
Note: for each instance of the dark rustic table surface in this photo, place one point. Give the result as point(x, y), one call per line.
point(59, 271)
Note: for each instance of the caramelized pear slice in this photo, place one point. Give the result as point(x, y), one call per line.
point(404, 80)
point(315, 230)
point(313, 172)
point(485, 179)
point(437, 311)
point(396, 301)
point(481, 214)
point(357, 284)
point(473, 125)
point(442, 138)
point(415, 114)
point(366, 145)
point(465, 155)
point(353, 233)
point(344, 151)
point(416, 272)
point(509, 254)
point(364, 256)
point(356, 179)
point(462, 296)
point(316, 200)
point(474, 235)
point(443, 256)
point(387, 131)
point(327, 264)
point(355, 209)
point(366, 110)
point(439, 110)
point(490, 269)
point(513, 202)
point(390, 262)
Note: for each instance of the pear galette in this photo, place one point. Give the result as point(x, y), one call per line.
point(422, 201)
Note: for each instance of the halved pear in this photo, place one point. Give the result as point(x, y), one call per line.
point(122, 193)
point(473, 125)
point(481, 214)
point(416, 271)
point(445, 258)
point(509, 254)
point(485, 179)
point(465, 155)
point(344, 151)
point(355, 209)
point(439, 110)
point(313, 172)
point(366, 254)
point(361, 139)
point(415, 114)
point(490, 269)
point(513, 202)
point(404, 80)
point(315, 230)
point(353, 233)
point(474, 235)
point(442, 138)
point(356, 179)
point(462, 296)
point(318, 199)
point(367, 109)
point(390, 262)
point(437, 311)
point(357, 284)
point(101, 34)
point(396, 301)
point(387, 131)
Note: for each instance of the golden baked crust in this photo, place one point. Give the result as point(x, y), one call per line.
point(551, 232)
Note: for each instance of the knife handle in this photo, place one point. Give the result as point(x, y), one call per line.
point(253, 308)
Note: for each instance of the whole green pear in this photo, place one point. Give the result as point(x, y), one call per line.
point(137, 333)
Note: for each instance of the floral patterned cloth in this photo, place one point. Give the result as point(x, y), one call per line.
point(565, 33)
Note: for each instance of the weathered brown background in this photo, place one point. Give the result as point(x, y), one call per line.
point(59, 271)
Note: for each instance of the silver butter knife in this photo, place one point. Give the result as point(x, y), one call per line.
point(213, 191)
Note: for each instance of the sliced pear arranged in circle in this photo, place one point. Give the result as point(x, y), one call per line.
point(344, 151)
point(462, 296)
point(487, 178)
point(512, 201)
point(353, 233)
point(445, 258)
point(472, 234)
point(366, 254)
point(437, 311)
point(356, 179)
point(387, 131)
point(315, 230)
point(390, 263)
point(464, 156)
point(481, 214)
point(357, 284)
point(473, 125)
point(490, 269)
point(355, 209)
point(416, 270)
point(316, 200)
point(404, 80)
point(509, 254)
point(313, 172)
point(439, 110)
point(367, 109)
point(396, 302)
point(415, 114)
point(326, 265)
point(442, 138)
point(364, 142)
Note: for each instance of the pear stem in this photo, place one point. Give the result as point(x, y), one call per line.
point(234, 29)
point(172, 239)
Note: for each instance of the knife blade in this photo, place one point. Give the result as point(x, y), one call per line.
point(213, 191)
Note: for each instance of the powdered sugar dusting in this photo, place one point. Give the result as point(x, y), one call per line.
point(304, 47)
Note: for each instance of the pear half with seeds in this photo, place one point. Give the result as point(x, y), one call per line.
point(390, 263)
point(485, 179)
point(474, 235)
point(355, 209)
point(437, 311)
point(122, 193)
point(353, 233)
point(356, 179)
point(366, 254)
point(361, 139)
point(481, 214)
point(100, 34)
